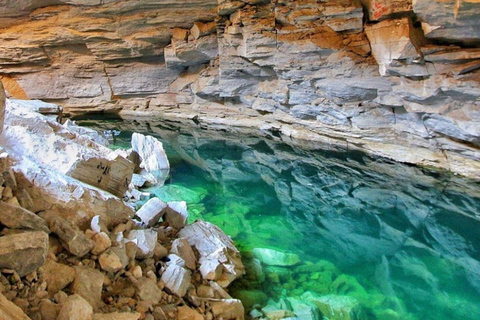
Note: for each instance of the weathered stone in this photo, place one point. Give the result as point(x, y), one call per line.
point(176, 214)
point(187, 313)
point(201, 29)
point(176, 279)
point(181, 247)
point(227, 308)
point(88, 284)
point(117, 316)
point(101, 243)
point(23, 252)
point(72, 238)
point(146, 240)
point(153, 158)
point(210, 269)
point(16, 217)
point(212, 244)
point(176, 260)
point(75, 308)
point(382, 9)
point(151, 212)
point(275, 258)
point(114, 259)
point(49, 310)
point(57, 276)
point(9, 311)
point(147, 290)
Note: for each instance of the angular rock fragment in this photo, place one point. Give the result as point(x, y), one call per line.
point(102, 242)
point(210, 269)
point(147, 290)
point(176, 279)
point(176, 214)
point(88, 284)
point(114, 259)
point(76, 308)
point(151, 212)
point(335, 306)
point(72, 238)
point(227, 308)
point(153, 158)
point(23, 252)
point(117, 316)
point(146, 240)
point(15, 217)
point(187, 313)
point(212, 244)
point(182, 248)
point(176, 260)
point(10, 311)
point(201, 29)
point(57, 276)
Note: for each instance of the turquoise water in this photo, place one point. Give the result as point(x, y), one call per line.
point(366, 238)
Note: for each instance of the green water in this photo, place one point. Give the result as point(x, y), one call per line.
point(375, 238)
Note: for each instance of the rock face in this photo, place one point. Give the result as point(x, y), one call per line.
point(403, 84)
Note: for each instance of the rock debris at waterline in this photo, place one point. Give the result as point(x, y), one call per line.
point(69, 248)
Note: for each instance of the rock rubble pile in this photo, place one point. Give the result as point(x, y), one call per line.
point(72, 249)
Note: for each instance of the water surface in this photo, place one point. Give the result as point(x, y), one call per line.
point(398, 241)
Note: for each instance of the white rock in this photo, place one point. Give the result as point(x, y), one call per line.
point(151, 212)
point(146, 239)
point(153, 158)
point(213, 244)
point(176, 279)
point(182, 248)
point(95, 224)
point(275, 258)
point(176, 214)
point(176, 260)
point(210, 269)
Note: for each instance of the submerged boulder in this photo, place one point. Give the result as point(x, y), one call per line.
point(275, 258)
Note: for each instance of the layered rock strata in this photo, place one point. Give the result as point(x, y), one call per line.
point(394, 78)
point(69, 249)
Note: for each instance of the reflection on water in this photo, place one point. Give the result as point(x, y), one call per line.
point(376, 239)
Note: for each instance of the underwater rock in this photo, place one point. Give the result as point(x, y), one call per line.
point(336, 307)
point(212, 244)
point(276, 258)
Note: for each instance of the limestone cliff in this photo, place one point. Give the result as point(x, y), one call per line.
point(395, 78)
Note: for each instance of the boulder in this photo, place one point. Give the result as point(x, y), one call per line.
point(276, 258)
point(23, 252)
point(151, 212)
point(72, 238)
point(146, 240)
point(57, 276)
point(182, 248)
point(10, 311)
point(176, 214)
point(76, 308)
point(15, 217)
point(153, 158)
point(212, 244)
point(88, 284)
point(67, 152)
point(176, 279)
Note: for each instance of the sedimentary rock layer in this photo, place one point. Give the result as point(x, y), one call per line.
point(394, 78)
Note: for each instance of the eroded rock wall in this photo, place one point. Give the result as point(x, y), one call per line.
point(394, 78)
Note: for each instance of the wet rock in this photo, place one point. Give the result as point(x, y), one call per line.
point(212, 244)
point(146, 240)
point(176, 214)
point(336, 307)
point(147, 290)
point(176, 279)
point(15, 217)
point(276, 258)
point(154, 161)
point(113, 259)
point(75, 308)
point(71, 237)
point(151, 212)
point(23, 252)
point(57, 276)
point(182, 248)
point(117, 316)
point(88, 284)
point(9, 311)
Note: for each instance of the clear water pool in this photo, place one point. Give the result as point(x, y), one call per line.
point(364, 238)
